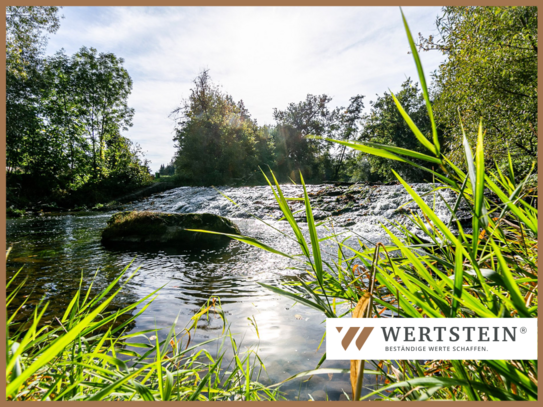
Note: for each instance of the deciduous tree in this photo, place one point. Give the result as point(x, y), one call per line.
point(490, 73)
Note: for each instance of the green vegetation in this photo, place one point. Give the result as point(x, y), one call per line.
point(211, 126)
point(384, 124)
point(447, 272)
point(65, 116)
point(85, 355)
point(296, 152)
point(231, 145)
point(490, 74)
point(166, 170)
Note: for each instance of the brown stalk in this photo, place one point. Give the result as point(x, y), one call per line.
point(363, 310)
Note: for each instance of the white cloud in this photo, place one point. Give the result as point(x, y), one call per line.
point(267, 56)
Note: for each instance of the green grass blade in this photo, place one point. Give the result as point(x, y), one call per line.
point(444, 382)
point(56, 347)
point(458, 280)
point(406, 152)
point(479, 217)
point(295, 297)
point(203, 382)
point(513, 374)
point(510, 282)
point(422, 84)
point(247, 240)
point(109, 389)
point(418, 134)
point(315, 247)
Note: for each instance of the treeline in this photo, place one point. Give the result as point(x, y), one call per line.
point(65, 115)
point(64, 119)
point(219, 142)
point(489, 74)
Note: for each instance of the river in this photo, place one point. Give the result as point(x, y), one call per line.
point(56, 250)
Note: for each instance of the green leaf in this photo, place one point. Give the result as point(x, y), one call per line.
point(109, 389)
point(247, 240)
point(418, 134)
point(510, 283)
point(295, 297)
point(203, 382)
point(458, 280)
point(315, 247)
point(422, 84)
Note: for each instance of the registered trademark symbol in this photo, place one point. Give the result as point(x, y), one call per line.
point(523, 330)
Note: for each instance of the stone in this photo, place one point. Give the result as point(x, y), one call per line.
point(334, 192)
point(148, 229)
point(319, 395)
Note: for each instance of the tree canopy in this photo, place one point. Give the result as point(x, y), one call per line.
point(217, 141)
point(385, 125)
point(26, 35)
point(65, 116)
point(490, 73)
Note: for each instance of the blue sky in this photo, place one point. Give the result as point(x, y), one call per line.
point(267, 56)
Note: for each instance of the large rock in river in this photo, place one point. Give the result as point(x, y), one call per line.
point(154, 229)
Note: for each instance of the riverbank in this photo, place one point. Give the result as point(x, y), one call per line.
point(16, 208)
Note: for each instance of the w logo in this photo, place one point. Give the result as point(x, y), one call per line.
point(351, 333)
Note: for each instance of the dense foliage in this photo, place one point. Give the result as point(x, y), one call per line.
point(64, 118)
point(167, 169)
point(85, 354)
point(490, 72)
point(66, 115)
point(217, 140)
point(384, 124)
point(231, 146)
point(295, 152)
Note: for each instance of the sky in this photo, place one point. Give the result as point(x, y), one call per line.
point(267, 56)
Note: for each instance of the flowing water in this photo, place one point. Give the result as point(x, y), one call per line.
point(56, 250)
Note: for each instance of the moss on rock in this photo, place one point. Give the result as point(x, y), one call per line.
point(156, 229)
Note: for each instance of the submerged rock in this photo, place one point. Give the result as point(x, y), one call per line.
point(155, 229)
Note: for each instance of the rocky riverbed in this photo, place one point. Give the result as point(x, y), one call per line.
point(361, 206)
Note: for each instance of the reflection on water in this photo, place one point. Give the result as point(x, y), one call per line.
point(57, 251)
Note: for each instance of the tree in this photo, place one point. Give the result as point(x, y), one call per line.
point(61, 107)
point(103, 87)
point(296, 152)
point(26, 38)
point(217, 141)
point(385, 125)
point(348, 126)
point(491, 74)
point(64, 117)
point(167, 169)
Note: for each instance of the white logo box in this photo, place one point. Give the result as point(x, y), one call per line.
point(431, 338)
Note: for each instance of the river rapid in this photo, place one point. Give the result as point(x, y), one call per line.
point(56, 250)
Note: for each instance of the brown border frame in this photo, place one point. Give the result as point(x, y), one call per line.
point(159, 3)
